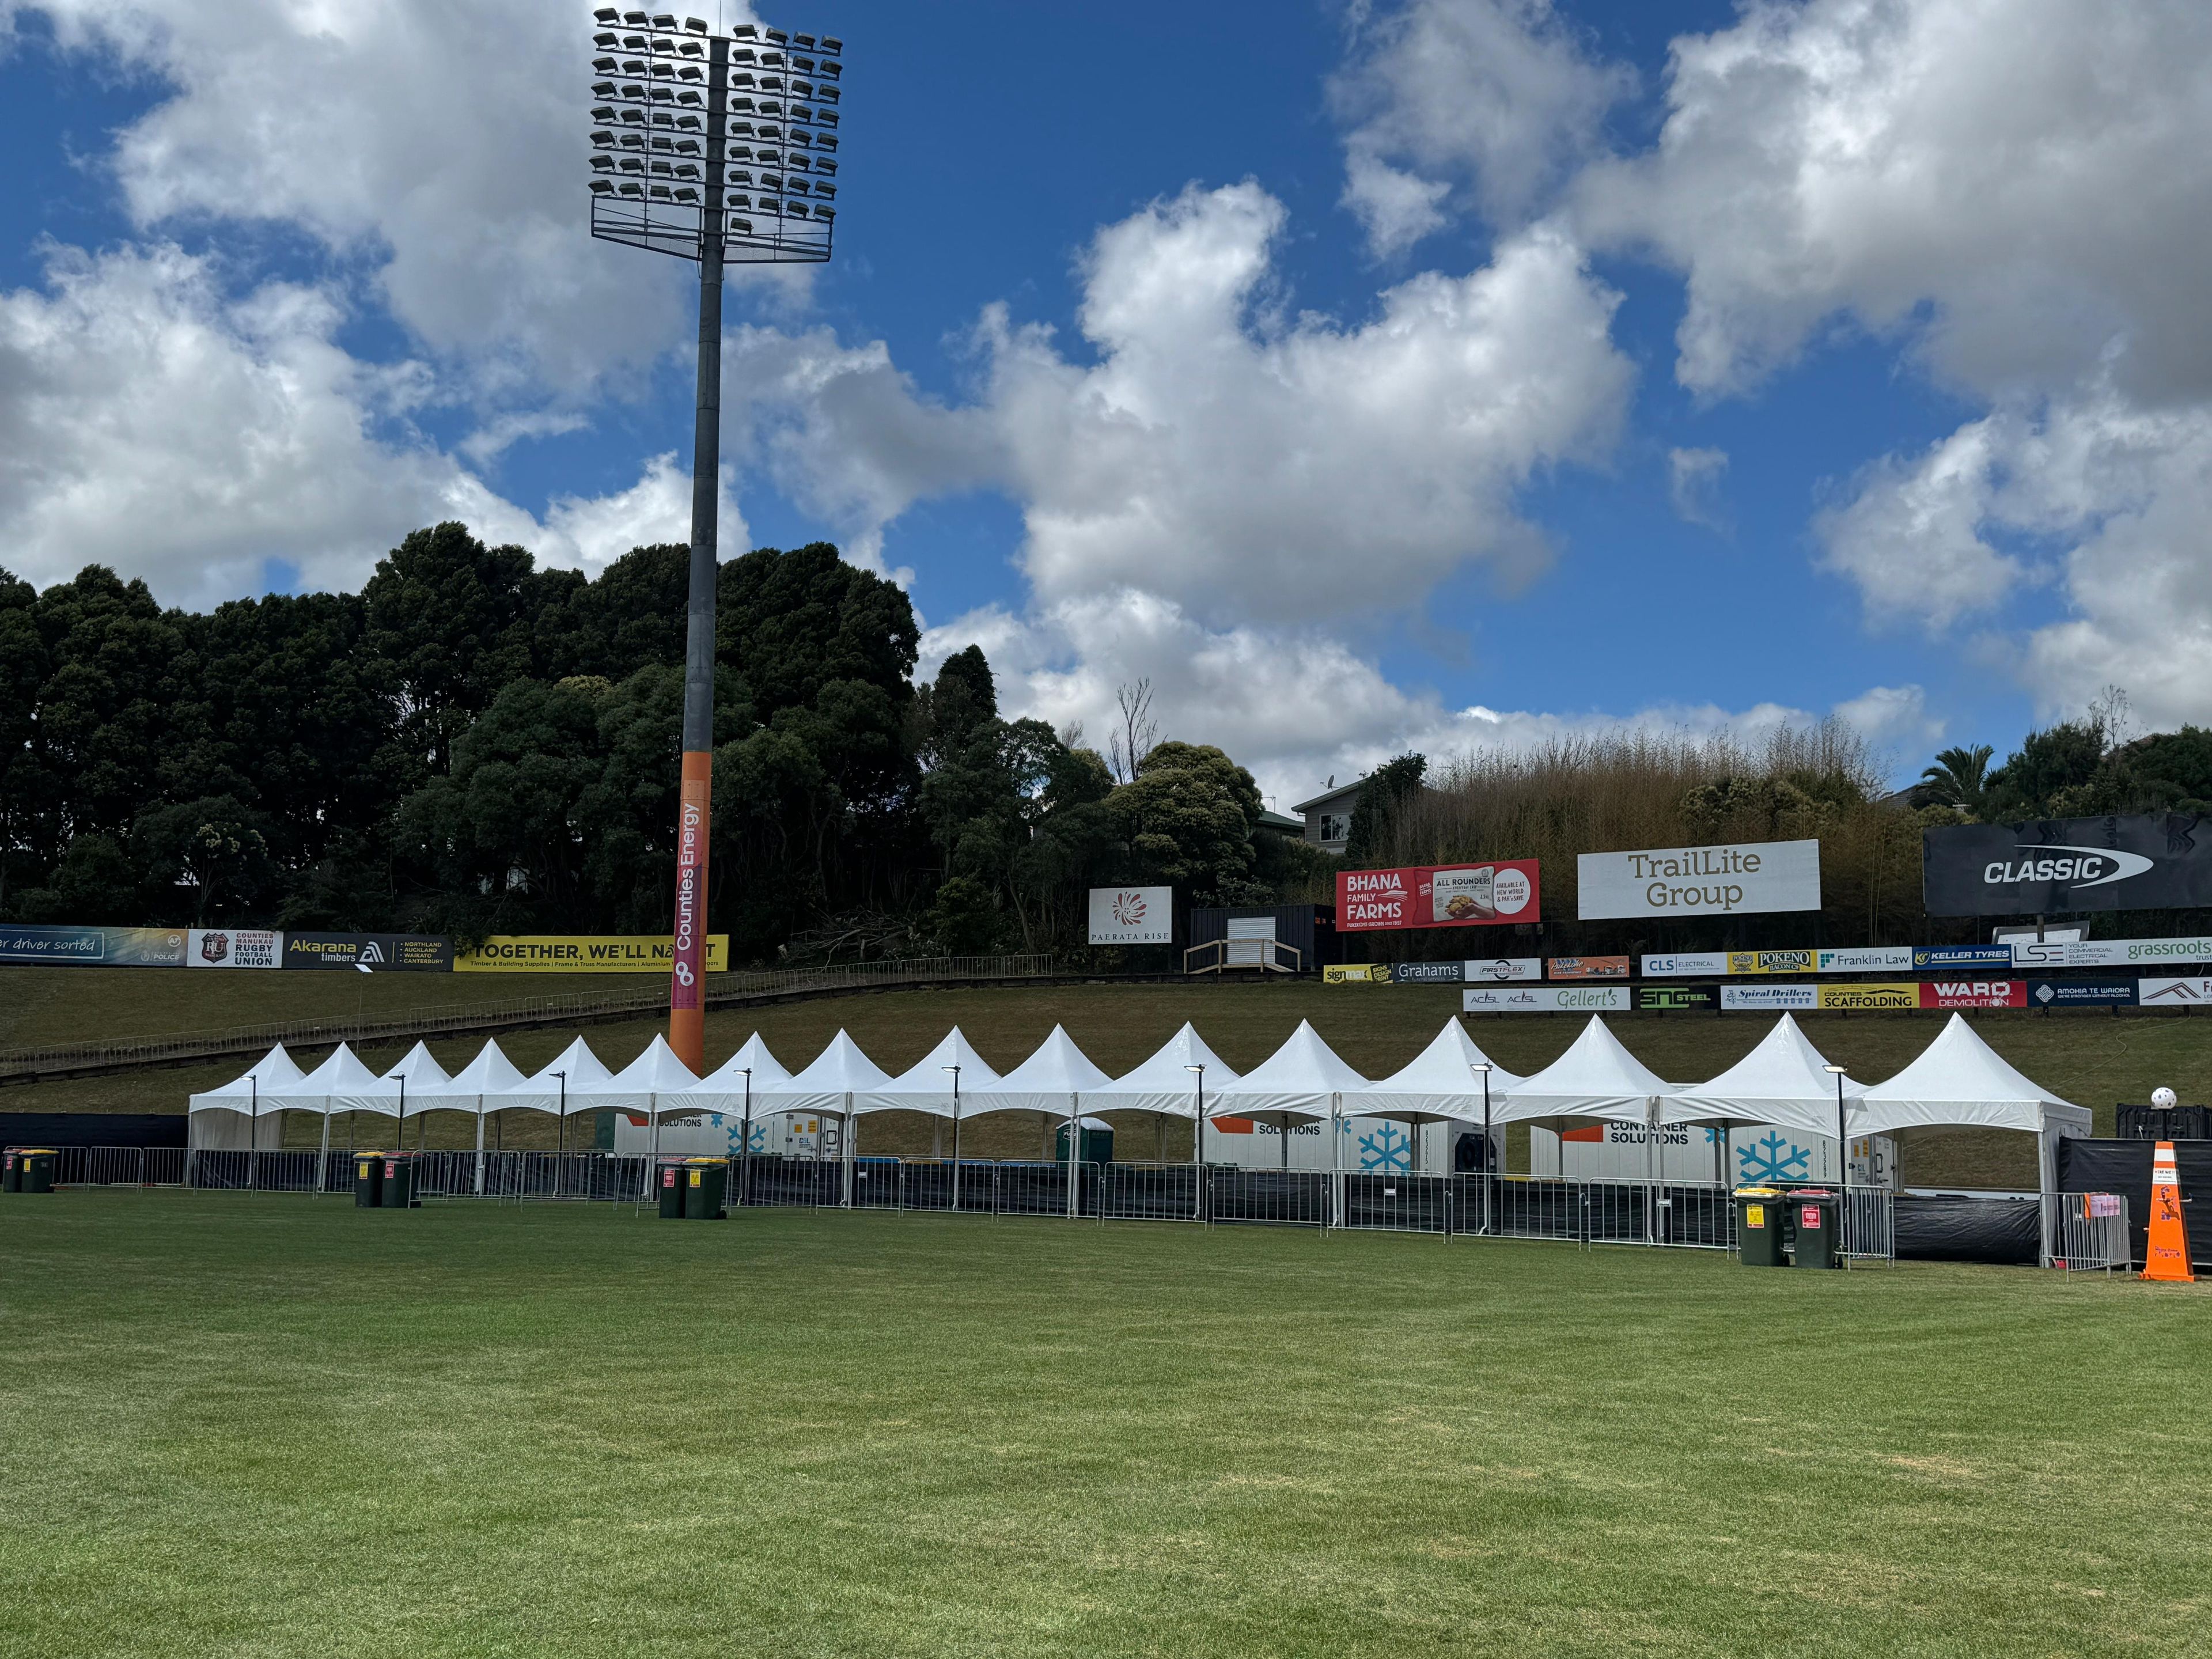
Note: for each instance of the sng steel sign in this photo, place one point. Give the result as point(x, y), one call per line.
point(2144, 862)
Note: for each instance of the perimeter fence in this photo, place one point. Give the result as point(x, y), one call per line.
point(1668, 1214)
point(2087, 1232)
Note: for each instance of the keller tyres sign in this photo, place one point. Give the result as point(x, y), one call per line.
point(2159, 861)
point(1700, 881)
point(1438, 895)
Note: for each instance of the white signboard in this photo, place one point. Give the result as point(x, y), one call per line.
point(1782, 998)
point(1502, 970)
point(1133, 916)
point(1696, 964)
point(1867, 959)
point(2174, 992)
point(2108, 952)
point(1700, 881)
point(234, 947)
point(1546, 999)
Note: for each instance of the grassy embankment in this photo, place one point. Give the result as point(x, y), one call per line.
point(263, 1424)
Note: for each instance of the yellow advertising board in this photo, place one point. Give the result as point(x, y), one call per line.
point(1851, 997)
point(1772, 961)
point(1357, 973)
point(583, 953)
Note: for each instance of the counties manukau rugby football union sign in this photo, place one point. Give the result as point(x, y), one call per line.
point(1701, 881)
point(2142, 862)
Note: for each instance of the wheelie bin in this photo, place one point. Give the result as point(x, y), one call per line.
point(706, 1182)
point(399, 1192)
point(1818, 1214)
point(38, 1168)
point(672, 1192)
point(367, 1180)
point(1759, 1217)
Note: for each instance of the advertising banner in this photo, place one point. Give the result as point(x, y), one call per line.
point(1694, 965)
point(1771, 961)
point(687, 952)
point(1357, 973)
point(2174, 992)
point(381, 953)
point(1133, 916)
point(1778, 998)
point(1559, 968)
point(1701, 881)
point(1857, 998)
point(1974, 993)
point(1937, 958)
point(1673, 999)
point(235, 947)
point(2109, 953)
point(93, 947)
point(592, 953)
point(1426, 973)
point(1546, 999)
point(1865, 959)
point(2082, 993)
point(2145, 861)
point(1502, 970)
point(1438, 895)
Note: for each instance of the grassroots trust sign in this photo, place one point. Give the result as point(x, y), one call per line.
point(1700, 881)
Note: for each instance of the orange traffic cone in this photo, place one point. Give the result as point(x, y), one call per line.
point(2167, 1256)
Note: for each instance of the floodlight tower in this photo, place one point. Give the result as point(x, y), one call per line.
point(719, 149)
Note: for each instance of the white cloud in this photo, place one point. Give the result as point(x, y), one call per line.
point(1246, 466)
point(151, 423)
point(1694, 483)
point(1493, 98)
point(2020, 182)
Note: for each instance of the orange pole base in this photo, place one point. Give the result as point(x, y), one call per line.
point(687, 984)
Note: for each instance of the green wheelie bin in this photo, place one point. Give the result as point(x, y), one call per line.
point(672, 1192)
point(706, 1182)
point(1759, 1217)
point(398, 1185)
point(11, 1171)
point(1818, 1214)
point(367, 1180)
point(38, 1168)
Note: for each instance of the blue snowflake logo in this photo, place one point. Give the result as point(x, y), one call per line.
point(1387, 1147)
point(1774, 1159)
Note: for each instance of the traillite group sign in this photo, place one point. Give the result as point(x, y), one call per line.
point(1700, 881)
point(2147, 861)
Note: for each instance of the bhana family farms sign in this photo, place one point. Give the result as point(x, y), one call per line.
point(1438, 895)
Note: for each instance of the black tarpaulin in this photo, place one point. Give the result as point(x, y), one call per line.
point(2006, 1230)
point(2124, 1167)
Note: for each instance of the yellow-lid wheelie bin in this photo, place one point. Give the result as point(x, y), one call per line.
point(1759, 1218)
point(38, 1168)
point(706, 1183)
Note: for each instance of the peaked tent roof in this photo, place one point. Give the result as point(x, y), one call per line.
point(926, 1086)
point(1297, 1080)
point(767, 1071)
point(839, 1070)
point(1783, 1081)
point(423, 1074)
point(1163, 1082)
point(1596, 1078)
point(1960, 1080)
point(545, 1089)
point(1047, 1081)
point(274, 1070)
point(491, 1072)
point(1439, 1082)
point(647, 1083)
point(341, 1084)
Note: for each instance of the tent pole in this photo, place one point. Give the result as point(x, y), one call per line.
point(653, 1139)
point(955, 1138)
point(253, 1132)
point(745, 1146)
point(1335, 1161)
point(1074, 1150)
point(323, 1166)
point(480, 1118)
point(1489, 1156)
point(845, 1133)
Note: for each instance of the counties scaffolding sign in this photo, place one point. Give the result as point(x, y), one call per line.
point(1438, 895)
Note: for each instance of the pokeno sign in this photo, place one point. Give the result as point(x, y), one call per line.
point(1438, 895)
point(1700, 881)
point(1133, 916)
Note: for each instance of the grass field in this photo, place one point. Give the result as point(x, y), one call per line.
point(2094, 1059)
point(272, 1426)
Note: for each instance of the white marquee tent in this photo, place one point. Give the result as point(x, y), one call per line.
point(1597, 1077)
point(1439, 1083)
point(1301, 1079)
point(1784, 1081)
point(1050, 1081)
point(1165, 1083)
point(242, 1102)
point(927, 1084)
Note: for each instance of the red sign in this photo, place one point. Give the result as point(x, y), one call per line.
point(1587, 968)
point(1438, 895)
point(1974, 993)
point(1809, 1215)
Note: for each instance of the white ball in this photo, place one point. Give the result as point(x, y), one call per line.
point(2161, 1098)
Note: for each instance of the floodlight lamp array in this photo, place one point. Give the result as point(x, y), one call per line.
point(701, 139)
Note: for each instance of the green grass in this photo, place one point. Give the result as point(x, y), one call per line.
point(265, 1425)
point(2094, 1059)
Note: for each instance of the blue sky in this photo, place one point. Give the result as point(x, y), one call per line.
point(1343, 369)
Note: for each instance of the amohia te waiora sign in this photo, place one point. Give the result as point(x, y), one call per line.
point(1701, 881)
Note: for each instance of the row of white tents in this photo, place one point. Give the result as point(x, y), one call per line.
point(1957, 1080)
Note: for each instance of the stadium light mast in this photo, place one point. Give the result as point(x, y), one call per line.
point(719, 149)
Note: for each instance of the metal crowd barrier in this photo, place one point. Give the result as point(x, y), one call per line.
point(2085, 1233)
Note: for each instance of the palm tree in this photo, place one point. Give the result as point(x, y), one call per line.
point(1959, 778)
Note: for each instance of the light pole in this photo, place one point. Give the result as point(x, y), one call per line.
point(720, 148)
point(1489, 1151)
point(746, 1145)
point(955, 1070)
point(1843, 1158)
